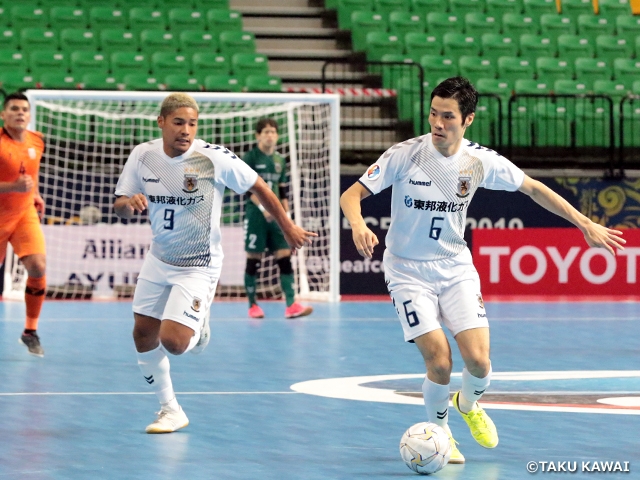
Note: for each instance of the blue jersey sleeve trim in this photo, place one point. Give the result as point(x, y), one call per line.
point(360, 182)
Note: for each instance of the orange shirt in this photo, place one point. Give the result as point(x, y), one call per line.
point(19, 158)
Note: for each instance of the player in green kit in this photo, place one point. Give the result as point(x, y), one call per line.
point(261, 232)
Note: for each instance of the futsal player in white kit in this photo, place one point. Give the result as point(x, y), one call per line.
point(428, 267)
point(181, 180)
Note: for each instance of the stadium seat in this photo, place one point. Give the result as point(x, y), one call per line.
point(496, 86)
point(263, 83)
point(163, 62)
point(206, 63)
point(440, 23)
point(222, 83)
point(236, 41)
point(486, 123)
point(12, 81)
point(593, 118)
point(515, 24)
point(68, 17)
point(126, 62)
point(33, 38)
point(495, 45)
point(182, 82)
point(526, 87)
point(5, 17)
point(610, 9)
point(14, 61)
point(9, 39)
point(118, 40)
point(459, 44)
point(534, 46)
point(638, 46)
point(158, 40)
point(408, 91)
point(146, 18)
point(575, 8)
point(615, 90)
point(186, 19)
point(221, 20)
point(197, 40)
point(520, 116)
point(30, 15)
point(554, 24)
point(141, 81)
point(385, 7)
point(245, 64)
point(462, 7)
point(418, 44)
point(439, 66)
point(209, 4)
point(400, 66)
point(48, 60)
point(401, 23)
point(593, 25)
point(571, 47)
point(53, 80)
point(474, 67)
point(570, 87)
point(626, 68)
point(590, 69)
point(550, 69)
point(422, 6)
point(630, 123)
point(610, 47)
point(107, 17)
point(476, 23)
point(539, 7)
point(628, 27)
point(99, 81)
point(379, 44)
point(88, 62)
point(346, 9)
point(552, 125)
point(511, 69)
point(78, 39)
point(499, 7)
point(363, 22)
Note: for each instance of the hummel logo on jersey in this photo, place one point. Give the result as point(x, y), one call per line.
point(442, 414)
point(149, 379)
point(418, 182)
point(192, 317)
point(151, 180)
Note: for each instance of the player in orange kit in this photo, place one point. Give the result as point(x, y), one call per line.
point(21, 207)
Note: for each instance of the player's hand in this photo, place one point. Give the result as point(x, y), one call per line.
point(138, 203)
point(364, 240)
point(23, 184)
point(602, 237)
point(38, 202)
point(296, 236)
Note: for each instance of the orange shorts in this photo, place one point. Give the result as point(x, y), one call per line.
point(25, 234)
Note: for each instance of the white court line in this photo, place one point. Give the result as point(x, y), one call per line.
point(26, 394)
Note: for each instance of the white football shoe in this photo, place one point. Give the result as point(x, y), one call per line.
point(168, 421)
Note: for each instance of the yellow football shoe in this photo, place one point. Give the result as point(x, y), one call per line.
point(456, 457)
point(482, 427)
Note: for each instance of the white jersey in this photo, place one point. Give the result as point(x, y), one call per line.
point(185, 195)
point(431, 193)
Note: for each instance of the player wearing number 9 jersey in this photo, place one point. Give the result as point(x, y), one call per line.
point(428, 267)
point(181, 181)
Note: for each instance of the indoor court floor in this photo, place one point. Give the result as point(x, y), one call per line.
point(320, 398)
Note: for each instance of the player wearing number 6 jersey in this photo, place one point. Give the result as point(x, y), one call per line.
point(181, 181)
point(428, 267)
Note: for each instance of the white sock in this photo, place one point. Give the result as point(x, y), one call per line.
point(436, 401)
point(155, 369)
point(472, 389)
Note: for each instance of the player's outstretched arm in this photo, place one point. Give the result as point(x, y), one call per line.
point(595, 235)
point(363, 238)
point(295, 236)
point(126, 207)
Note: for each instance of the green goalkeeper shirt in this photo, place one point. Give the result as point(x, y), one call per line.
point(271, 168)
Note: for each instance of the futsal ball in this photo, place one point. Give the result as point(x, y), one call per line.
point(89, 215)
point(425, 448)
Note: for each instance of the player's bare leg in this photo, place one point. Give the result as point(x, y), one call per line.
point(294, 309)
point(34, 297)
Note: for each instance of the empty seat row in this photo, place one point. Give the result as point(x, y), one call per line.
point(195, 4)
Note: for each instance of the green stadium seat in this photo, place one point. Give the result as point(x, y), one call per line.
point(626, 68)
point(245, 64)
point(615, 90)
point(236, 41)
point(485, 127)
point(221, 20)
point(462, 7)
point(421, 6)
point(197, 40)
point(55, 80)
point(571, 87)
point(495, 45)
point(593, 122)
point(209, 63)
point(611, 46)
point(408, 91)
point(511, 69)
point(515, 24)
point(222, 83)
point(459, 44)
point(143, 3)
point(129, 62)
point(363, 22)
point(500, 7)
point(11, 81)
point(210, 4)
point(477, 24)
point(48, 60)
point(551, 69)
point(163, 62)
point(534, 46)
point(99, 81)
point(519, 135)
point(182, 82)
point(418, 44)
point(30, 15)
point(630, 123)
point(78, 39)
point(474, 67)
point(158, 40)
point(527, 86)
point(146, 18)
point(571, 47)
point(68, 17)
point(8, 39)
point(539, 7)
point(440, 23)
point(590, 69)
point(186, 19)
point(575, 8)
point(385, 7)
point(392, 74)
point(107, 17)
point(610, 9)
point(401, 23)
point(88, 62)
point(593, 25)
point(118, 40)
point(439, 66)
point(14, 61)
point(638, 46)
point(382, 43)
point(263, 83)
point(33, 38)
point(503, 90)
point(552, 125)
point(141, 81)
point(346, 9)
point(628, 27)
point(554, 24)
point(5, 17)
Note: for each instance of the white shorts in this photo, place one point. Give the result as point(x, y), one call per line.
point(181, 294)
point(428, 294)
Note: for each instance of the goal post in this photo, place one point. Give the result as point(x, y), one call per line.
point(88, 137)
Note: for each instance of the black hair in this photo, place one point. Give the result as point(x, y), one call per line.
point(460, 90)
point(266, 122)
point(14, 96)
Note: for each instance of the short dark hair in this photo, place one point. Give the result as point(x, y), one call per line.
point(14, 96)
point(461, 90)
point(266, 122)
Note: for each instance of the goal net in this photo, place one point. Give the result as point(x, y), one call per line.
point(89, 135)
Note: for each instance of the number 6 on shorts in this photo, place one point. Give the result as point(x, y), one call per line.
point(412, 316)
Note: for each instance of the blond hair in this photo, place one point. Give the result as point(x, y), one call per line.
point(176, 101)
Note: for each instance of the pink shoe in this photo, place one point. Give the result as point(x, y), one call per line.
point(297, 310)
point(256, 312)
